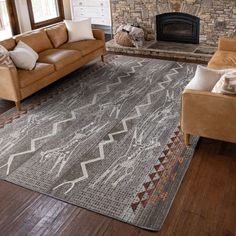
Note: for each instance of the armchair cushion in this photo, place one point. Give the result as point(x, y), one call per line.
point(227, 44)
point(223, 59)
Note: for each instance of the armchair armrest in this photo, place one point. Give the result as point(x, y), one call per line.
point(9, 84)
point(227, 44)
point(99, 34)
point(209, 115)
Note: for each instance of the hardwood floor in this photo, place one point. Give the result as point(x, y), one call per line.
point(5, 105)
point(204, 205)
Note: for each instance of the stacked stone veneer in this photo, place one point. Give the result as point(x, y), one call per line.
point(218, 17)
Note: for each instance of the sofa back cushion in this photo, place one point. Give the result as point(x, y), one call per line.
point(37, 40)
point(9, 44)
point(58, 35)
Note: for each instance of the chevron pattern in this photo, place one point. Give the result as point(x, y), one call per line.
point(103, 139)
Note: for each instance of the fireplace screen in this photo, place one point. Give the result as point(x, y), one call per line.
point(178, 27)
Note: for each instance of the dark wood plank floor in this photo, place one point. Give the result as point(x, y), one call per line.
point(205, 203)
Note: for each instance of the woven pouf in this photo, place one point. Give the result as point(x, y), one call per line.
point(123, 39)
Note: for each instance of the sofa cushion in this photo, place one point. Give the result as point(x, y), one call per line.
point(85, 46)
point(222, 60)
point(37, 40)
point(58, 35)
point(59, 57)
point(9, 44)
point(28, 77)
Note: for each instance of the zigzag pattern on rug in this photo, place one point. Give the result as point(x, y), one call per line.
point(98, 136)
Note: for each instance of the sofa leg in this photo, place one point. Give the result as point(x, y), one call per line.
point(186, 139)
point(102, 57)
point(18, 106)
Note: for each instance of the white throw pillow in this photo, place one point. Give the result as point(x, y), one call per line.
point(23, 56)
point(205, 79)
point(79, 30)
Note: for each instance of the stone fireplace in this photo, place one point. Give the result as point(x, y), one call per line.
point(217, 17)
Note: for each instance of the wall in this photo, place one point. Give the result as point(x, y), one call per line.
point(23, 13)
point(218, 17)
point(67, 11)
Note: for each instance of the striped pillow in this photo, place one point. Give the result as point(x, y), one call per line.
point(5, 59)
point(226, 84)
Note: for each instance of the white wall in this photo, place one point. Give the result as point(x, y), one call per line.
point(67, 11)
point(23, 13)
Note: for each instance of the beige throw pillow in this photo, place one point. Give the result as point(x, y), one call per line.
point(24, 57)
point(204, 79)
point(226, 84)
point(5, 59)
point(79, 30)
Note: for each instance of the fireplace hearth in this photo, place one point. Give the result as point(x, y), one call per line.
point(177, 27)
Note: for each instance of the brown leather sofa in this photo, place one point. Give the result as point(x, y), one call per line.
point(208, 114)
point(57, 58)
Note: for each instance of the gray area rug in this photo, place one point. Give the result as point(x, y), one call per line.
point(108, 141)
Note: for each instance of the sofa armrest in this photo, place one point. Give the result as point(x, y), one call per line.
point(227, 44)
point(209, 115)
point(99, 34)
point(9, 84)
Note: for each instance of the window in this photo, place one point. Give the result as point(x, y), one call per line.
point(45, 12)
point(8, 19)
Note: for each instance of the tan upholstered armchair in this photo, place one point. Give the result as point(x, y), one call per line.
point(208, 114)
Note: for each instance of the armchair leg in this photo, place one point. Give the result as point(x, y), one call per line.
point(186, 139)
point(102, 57)
point(18, 106)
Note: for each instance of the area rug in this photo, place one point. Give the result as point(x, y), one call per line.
point(106, 138)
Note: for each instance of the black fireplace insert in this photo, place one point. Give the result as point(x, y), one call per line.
point(177, 27)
